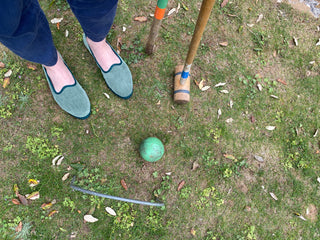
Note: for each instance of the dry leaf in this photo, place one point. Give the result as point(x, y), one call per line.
point(219, 113)
point(168, 173)
point(65, 177)
point(66, 33)
point(124, 184)
point(119, 45)
point(33, 196)
point(141, 19)
point(223, 44)
point(231, 103)
point(274, 96)
point(56, 20)
point(205, 88)
point(106, 95)
point(184, 6)
point(111, 211)
point(259, 87)
point(8, 74)
point(180, 185)
point(273, 196)
point(295, 40)
point(6, 82)
point(193, 232)
point(2, 65)
point(316, 133)
point(229, 156)
point(59, 161)
point(258, 158)
point(259, 18)
point(31, 66)
point(46, 206)
point(54, 161)
point(250, 25)
point(281, 81)
point(15, 201)
point(90, 218)
point(219, 84)
point(195, 165)
point(318, 43)
point(229, 120)
point(33, 182)
point(16, 189)
point(201, 84)
point(224, 3)
point(252, 119)
point(19, 227)
point(172, 11)
point(52, 213)
point(23, 200)
point(224, 91)
point(270, 128)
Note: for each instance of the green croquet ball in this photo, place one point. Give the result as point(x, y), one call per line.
point(151, 149)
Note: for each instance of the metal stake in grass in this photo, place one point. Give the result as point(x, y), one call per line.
point(158, 16)
point(181, 92)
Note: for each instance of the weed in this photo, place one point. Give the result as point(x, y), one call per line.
point(25, 232)
point(154, 220)
point(135, 51)
point(214, 134)
point(208, 159)
point(185, 192)
point(41, 147)
point(164, 188)
point(125, 219)
point(209, 197)
point(69, 203)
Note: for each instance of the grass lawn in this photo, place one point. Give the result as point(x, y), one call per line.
point(247, 148)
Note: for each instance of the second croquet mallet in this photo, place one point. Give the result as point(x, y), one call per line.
point(181, 93)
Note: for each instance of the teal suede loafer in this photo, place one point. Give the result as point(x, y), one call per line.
point(118, 78)
point(72, 98)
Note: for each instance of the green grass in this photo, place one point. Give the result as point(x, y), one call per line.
point(226, 194)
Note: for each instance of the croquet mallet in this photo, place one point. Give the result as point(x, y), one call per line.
point(181, 93)
point(158, 16)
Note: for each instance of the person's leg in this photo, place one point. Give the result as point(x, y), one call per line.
point(96, 18)
point(24, 29)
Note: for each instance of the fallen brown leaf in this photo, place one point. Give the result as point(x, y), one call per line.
point(52, 213)
point(6, 82)
point(31, 66)
point(119, 44)
point(181, 184)
point(141, 19)
point(15, 201)
point(19, 227)
point(124, 184)
point(2, 65)
point(223, 44)
point(193, 232)
point(224, 3)
point(252, 119)
point(281, 81)
point(23, 199)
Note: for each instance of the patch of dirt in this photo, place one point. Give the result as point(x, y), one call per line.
point(312, 213)
point(242, 187)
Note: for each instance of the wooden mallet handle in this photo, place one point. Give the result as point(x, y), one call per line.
point(181, 92)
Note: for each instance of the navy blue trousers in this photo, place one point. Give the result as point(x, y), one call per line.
point(25, 30)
